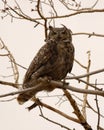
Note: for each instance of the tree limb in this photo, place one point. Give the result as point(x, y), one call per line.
point(59, 85)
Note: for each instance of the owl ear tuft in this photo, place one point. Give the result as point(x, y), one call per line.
point(50, 28)
point(64, 26)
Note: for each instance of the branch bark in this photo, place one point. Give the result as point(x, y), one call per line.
point(55, 83)
point(77, 111)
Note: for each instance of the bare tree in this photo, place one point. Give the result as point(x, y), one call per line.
point(45, 13)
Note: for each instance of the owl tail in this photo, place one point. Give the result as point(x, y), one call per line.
point(23, 97)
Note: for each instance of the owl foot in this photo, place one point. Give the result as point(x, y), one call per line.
point(65, 83)
point(37, 102)
point(46, 80)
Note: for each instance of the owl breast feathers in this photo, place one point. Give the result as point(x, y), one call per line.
point(54, 60)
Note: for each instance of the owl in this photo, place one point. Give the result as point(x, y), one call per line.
point(54, 60)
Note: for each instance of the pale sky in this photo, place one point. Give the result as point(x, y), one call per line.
point(23, 40)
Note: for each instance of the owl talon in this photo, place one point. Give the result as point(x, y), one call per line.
point(45, 79)
point(37, 102)
point(65, 83)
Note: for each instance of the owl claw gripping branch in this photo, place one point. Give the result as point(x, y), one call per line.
point(54, 59)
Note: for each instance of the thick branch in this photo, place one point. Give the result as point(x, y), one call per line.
point(59, 85)
point(77, 111)
point(38, 102)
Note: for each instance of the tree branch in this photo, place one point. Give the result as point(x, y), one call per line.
point(88, 34)
point(88, 74)
point(77, 111)
point(54, 122)
point(59, 85)
point(14, 66)
point(15, 85)
point(38, 102)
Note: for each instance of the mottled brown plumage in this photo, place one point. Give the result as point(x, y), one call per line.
point(54, 60)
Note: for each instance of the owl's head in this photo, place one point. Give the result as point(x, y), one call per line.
point(62, 34)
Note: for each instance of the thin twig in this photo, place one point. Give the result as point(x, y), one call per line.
point(8, 100)
point(88, 74)
point(19, 65)
point(54, 122)
point(75, 13)
point(98, 110)
point(52, 6)
point(94, 4)
point(86, 87)
point(14, 66)
point(79, 11)
point(89, 106)
point(80, 64)
point(88, 34)
point(91, 85)
point(25, 16)
point(42, 17)
point(15, 85)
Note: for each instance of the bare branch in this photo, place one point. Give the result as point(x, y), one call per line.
point(42, 17)
point(94, 4)
point(100, 128)
point(89, 34)
point(89, 106)
point(77, 111)
point(14, 66)
point(86, 87)
point(55, 83)
point(88, 74)
point(38, 102)
point(19, 65)
point(54, 122)
point(8, 100)
point(15, 85)
point(74, 14)
point(77, 12)
point(91, 85)
point(4, 54)
point(80, 64)
point(21, 14)
point(98, 110)
point(52, 5)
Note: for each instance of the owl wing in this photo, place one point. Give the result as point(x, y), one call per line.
point(71, 54)
point(38, 62)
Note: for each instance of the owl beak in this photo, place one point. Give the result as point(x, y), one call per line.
point(58, 37)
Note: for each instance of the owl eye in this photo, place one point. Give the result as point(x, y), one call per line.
point(54, 33)
point(63, 32)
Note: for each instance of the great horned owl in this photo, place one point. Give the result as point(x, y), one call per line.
point(54, 59)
